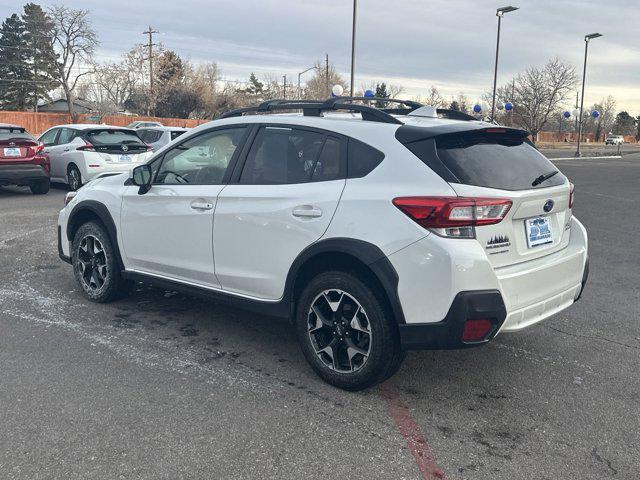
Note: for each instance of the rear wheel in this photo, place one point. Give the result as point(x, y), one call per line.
point(95, 265)
point(41, 187)
point(74, 178)
point(346, 332)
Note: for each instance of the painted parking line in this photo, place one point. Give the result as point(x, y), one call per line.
point(587, 158)
point(411, 432)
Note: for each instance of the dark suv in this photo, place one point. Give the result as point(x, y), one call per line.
point(23, 160)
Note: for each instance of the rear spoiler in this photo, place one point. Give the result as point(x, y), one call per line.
point(411, 133)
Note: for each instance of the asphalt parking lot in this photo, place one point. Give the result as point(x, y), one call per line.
point(164, 386)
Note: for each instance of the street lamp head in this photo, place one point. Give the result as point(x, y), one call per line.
point(591, 36)
point(502, 10)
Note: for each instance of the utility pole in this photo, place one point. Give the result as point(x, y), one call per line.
point(326, 64)
point(284, 86)
point(353, 45)
point(587, 38)
point(150, 46)
point(577, 105)
point(499, 13)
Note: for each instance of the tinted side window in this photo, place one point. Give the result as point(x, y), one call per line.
point(175, 134)
point(328, 165)
point(202, 160)
point(66, 135)
point(283, 156)
point(362, 159)
point(49, 138)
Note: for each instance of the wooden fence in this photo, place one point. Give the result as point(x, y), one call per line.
point(36, 123)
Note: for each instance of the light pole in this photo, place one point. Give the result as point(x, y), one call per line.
point(300, 75)
point(353, 44)
point(499, 13)
point(584, 76)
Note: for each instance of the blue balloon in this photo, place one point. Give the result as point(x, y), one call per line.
point(566, 114)
point(508, 106)
point(369, 94)
point(477, 108)
point(595, 114)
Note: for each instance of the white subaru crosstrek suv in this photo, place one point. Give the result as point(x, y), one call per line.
point(376, 231)
point(79, 153)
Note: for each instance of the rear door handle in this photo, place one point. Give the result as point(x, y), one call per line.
point(307, 211)
point(197, 205)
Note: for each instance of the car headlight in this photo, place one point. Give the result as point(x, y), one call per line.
point(68, 197)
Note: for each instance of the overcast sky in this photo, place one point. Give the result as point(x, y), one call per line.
point(413, 43)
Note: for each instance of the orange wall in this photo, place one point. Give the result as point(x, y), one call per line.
point(36, 123)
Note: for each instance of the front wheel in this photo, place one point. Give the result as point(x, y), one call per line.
point(347, 333)
point(95, 265)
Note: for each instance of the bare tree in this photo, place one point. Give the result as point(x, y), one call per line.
point(115, 83)
point(538, 94)
point(75, 42)
point(319, 86)
point(434, 98)
point(602, 125)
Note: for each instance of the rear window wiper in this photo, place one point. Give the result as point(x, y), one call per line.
point(544, 177)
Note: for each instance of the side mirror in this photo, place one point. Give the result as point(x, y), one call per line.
point(142, 178)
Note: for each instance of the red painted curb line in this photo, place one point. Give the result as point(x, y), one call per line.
point(410, 430)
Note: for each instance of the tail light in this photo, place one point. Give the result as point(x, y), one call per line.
point(35, 150)
point(572, 187)
point(86, 147)
point(149, 147)
point(453, 216)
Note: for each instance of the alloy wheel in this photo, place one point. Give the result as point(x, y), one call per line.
point(92, 264)
point(339, 330)
point(74, 179)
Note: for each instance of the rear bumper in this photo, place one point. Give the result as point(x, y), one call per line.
point(434, 270)
point(447, 334)
point(22, 174)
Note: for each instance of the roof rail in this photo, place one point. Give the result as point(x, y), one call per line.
point(315, 108)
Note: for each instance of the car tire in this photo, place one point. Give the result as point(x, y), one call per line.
point(347, 332)
point(95, 264)
point(74, 178)
point(41, 187)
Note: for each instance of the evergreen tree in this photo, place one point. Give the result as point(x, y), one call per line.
point(256, 87)
point(625, 124)
point(381, 92)
point(38, 39)
point(14, 66)
point(454, 105)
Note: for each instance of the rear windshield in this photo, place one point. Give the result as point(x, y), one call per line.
point(113, 137)
point(503, 160)
point(14, 134)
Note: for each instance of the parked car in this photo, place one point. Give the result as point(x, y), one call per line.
point(78, 153)
point(23, 161)
point(144, 124)
point(158, 137)
point(614, 140)
point(374, 234)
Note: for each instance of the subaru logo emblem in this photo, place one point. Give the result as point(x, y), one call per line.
point(548, 206)
point(125, 149)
